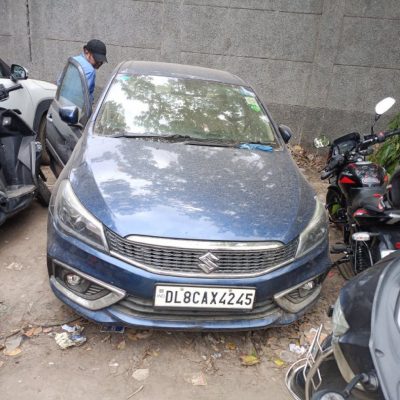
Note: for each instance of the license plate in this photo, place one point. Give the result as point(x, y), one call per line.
point(199, 297)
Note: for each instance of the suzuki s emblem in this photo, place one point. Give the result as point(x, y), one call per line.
point(208, 265)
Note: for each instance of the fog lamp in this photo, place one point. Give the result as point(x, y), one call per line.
point(308, 286)
point(73, 279)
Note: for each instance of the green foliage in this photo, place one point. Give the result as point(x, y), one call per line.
point(388, 154)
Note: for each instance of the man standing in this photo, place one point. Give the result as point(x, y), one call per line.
point(92, 58)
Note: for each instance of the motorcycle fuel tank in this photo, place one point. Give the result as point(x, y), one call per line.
point(361, 174)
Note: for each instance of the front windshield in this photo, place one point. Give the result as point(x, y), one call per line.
point(165, 106)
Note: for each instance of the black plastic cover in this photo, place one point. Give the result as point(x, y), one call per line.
point(385, 330)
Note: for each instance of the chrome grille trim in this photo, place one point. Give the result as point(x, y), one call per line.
point(202, 244)
point(233, 262)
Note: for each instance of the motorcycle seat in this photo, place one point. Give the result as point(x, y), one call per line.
point(370, 200)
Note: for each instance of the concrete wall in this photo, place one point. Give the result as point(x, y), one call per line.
point(320, 65)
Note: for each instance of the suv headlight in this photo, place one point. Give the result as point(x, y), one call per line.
point(74, 220)
point(315, 232)
point(340, 325)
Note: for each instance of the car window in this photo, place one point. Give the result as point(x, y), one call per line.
point(160, 105)
point(71, 90)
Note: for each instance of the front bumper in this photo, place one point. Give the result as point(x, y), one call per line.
point(135, 307)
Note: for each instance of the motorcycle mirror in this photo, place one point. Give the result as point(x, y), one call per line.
point(384, 105)
point(18, 73)
point(321, 141)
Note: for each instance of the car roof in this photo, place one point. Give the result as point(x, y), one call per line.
point(179, 71)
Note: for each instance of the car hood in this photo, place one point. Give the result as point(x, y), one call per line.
point(164, 189)
point(43, 85)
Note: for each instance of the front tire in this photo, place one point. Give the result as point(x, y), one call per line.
point(336, 205)
point(43, 193)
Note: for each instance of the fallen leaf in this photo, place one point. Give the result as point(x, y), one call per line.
point(144, 334)
point(47, 330)
point(278, 362)
point(13, 352)
point(230, 346)
point(121, 345)
point(34, 331)
point(199, 379)
point(249, 360)
point(141, 374)
point(29, 332)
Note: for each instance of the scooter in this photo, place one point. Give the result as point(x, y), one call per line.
point(361, 358)
point(354, 199)
point(21, 179)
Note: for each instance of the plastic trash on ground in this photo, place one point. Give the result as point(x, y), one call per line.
point(72, 337)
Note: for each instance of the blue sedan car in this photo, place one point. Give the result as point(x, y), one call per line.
point(178, 205)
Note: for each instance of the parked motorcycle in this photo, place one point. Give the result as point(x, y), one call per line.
point(21, 179)
point(361, 358)
point(355, 199)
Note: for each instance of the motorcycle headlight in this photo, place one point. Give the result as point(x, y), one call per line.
point(73, 219)
point(340, 325)
point(315, 232)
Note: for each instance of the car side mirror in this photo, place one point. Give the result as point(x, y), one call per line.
point(69, 114)
point(18, 73)
point(285, 132)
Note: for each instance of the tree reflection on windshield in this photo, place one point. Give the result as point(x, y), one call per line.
point(165, 106)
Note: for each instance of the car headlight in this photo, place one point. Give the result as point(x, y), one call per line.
point(73, 219)
point(340, 325)
point(315, 232)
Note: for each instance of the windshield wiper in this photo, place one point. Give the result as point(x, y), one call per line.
point(267, 143)
point(145, 136)
point(208, 142)
point(134, 136)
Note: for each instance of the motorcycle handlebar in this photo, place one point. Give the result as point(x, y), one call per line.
point(379, 138)
point(326, 174)
point(333, 163)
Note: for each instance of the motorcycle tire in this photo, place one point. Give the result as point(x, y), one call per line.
point(335, 203)
point(346, 270)
point(43, 193)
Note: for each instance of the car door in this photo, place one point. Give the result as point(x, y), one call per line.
point(61, 137)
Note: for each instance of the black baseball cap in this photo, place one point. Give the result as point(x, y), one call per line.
point(98, 49)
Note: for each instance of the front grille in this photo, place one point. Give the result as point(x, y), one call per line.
point(186, 261)
point(143, 308)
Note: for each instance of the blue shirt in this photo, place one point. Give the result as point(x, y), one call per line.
point(90, 74)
